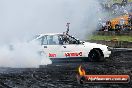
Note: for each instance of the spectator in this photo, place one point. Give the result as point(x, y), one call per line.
point(100, 24)
point(108, 25)
point(126, 28)
point(124, 2)
point(106, 28)
point(122, 21)
point(123, 27)
point(130, 20)
point(117, 27)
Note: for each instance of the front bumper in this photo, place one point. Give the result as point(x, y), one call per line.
point(107, 53)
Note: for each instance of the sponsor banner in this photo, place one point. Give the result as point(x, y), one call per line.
point(83, 78)
point(107, 78)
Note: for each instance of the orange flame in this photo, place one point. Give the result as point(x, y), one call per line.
point(81, 71)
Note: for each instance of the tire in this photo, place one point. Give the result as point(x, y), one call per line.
point(95, 56)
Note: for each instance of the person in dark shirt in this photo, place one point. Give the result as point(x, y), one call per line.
point(130, 20)
point(117, 27)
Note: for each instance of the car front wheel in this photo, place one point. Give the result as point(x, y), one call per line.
point(95, 55)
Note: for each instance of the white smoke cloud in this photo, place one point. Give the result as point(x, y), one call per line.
point(24, 18)
point(22, 54)
point(21, 19)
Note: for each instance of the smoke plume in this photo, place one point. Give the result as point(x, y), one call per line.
point(22, 19)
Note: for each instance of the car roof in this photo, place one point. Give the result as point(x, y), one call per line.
point(40, 35)
point(51, 34)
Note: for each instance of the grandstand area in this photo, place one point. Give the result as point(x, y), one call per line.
point(115, 29)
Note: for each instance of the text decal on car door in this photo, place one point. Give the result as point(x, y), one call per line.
point(52, 55)
point(73, 54)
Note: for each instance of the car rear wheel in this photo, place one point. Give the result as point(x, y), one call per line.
point(95, 56)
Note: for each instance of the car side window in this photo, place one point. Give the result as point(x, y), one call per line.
point(65, 40)
point(60, 38)
point(52, 40)
point(42, 40)
point(70, 40)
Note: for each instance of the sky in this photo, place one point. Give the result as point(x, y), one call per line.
point(21, 19)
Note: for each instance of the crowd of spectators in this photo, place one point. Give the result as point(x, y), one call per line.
point(115, 10)
point(121, 26)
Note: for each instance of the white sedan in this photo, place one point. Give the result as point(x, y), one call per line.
point(58, 46)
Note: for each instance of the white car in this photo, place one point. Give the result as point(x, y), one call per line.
point(58, 46)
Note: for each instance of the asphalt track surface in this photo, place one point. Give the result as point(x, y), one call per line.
point(63, 75)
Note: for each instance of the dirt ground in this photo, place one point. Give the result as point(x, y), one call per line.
point(63, 75)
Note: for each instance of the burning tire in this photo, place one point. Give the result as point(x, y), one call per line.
point(95, 55)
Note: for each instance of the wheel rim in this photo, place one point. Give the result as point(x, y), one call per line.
point(94, 56)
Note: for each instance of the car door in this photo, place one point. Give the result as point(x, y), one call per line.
point(51, 46)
